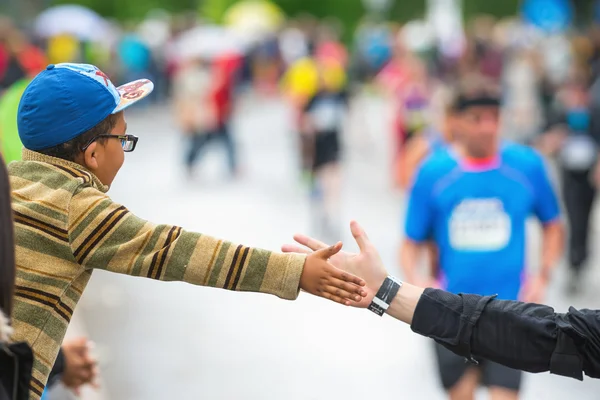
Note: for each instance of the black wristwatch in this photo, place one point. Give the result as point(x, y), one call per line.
point(386, 293)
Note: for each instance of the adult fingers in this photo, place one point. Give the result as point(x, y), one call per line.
point(294, 248)
point(310, 242)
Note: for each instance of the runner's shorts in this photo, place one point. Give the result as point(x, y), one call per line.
point(327, 149)
point(452, 367)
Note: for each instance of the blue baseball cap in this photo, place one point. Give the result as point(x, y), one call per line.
point(67, 100)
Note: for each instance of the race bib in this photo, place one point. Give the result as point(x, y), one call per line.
point(479, 225)
point(326, 116)
point(578, 153)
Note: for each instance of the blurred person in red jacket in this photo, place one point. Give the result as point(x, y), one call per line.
point(19, 58)
point(225, 70)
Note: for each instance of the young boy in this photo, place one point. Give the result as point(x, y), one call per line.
point(72, 126)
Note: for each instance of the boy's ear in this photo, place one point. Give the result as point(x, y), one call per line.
point(89, 157)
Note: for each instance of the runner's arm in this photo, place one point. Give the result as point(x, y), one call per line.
point(409, 256)
point(552, 247)
point(416, 151)
point(529, 337)
point(418, 226)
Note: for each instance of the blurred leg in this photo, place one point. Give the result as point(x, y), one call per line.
point(504, 383)
point(458, 378)
point(226, 137)
point(579, 195)
point(331, 183)
point(466, 386)
point(328, 173)
point(588, 195)
point(497, 393)
point(196, 142)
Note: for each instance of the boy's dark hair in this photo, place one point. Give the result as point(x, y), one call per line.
point(71, 149)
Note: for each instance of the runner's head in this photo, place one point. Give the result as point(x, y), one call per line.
point(478, 120)
point(72, 112)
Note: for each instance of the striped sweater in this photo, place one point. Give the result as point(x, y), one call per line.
point(66, 226)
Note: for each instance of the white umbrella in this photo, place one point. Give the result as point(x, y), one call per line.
point(209, 42)
point(72, 19)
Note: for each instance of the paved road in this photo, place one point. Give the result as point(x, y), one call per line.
point(176, 341)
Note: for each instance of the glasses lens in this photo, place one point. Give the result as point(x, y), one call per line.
point(128, 145)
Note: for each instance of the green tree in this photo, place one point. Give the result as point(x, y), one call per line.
point(213, 10)
point(132, 9)
point(500, 9)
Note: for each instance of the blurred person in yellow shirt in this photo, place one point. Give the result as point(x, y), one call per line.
point(301, 82)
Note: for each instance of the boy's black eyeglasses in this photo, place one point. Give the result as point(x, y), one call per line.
point(127, 141)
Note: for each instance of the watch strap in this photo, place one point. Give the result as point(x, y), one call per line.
point(386, 293)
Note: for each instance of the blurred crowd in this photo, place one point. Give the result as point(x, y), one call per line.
point(549, 84)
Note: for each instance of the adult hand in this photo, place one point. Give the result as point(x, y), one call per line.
point(367, 264)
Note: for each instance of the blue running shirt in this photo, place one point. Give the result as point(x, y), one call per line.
point(477, 215)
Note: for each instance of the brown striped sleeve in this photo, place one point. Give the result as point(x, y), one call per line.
point(105, 235)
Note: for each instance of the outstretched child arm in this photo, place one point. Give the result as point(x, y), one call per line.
point(105, 235)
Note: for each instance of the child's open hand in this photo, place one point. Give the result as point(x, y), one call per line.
point(321, 278)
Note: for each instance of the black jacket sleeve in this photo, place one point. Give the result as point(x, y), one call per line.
point(529, 337)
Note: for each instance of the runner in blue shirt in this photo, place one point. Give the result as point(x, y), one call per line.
point(474, 199)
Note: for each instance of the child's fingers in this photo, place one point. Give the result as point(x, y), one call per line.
point(341, 293)
point(346, 277)
point(347, 287)
point(329, 252)
point(335, 298)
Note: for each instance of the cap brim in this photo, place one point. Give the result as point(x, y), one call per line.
point(132, 92)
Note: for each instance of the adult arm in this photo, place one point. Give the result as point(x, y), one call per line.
point(524, 336)
point(529, 337)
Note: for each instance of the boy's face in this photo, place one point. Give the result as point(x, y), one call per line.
point(105, 158)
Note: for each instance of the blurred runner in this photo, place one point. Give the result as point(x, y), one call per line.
point(474, 199)
point(301, 83)
point(436, 136)
point(406, 81)
point(225, 72)
point(267, 65)
point(194, 109)
point(322, 125)
point(19, 58)
point(135, 57)
point(570, 137)
point(20, 61)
